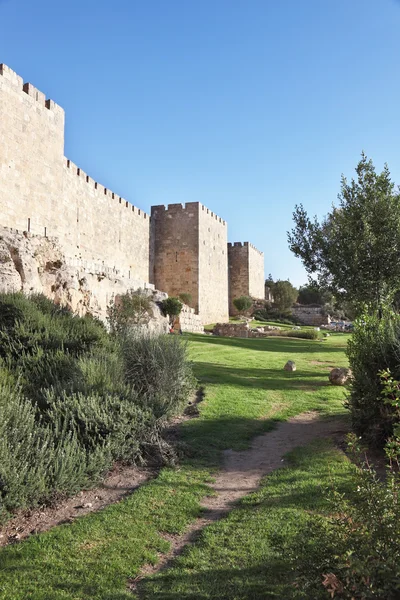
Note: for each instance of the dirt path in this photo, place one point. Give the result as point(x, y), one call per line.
point(241, 475)
point(121, 482)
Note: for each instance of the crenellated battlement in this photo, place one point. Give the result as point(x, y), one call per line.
point(101, 190)
point(15, 81)
point(187, 207)
point(245, 245)
point(212, 214)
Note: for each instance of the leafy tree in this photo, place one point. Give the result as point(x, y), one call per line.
point(355, 250)
point(242, 304)
point(313, 294)
point(269, 281)
point(185, 297)
point(172, 307)
point(284, 294)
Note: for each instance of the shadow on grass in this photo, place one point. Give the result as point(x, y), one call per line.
point(258, 377)
point(272, 344)
point(225, 584)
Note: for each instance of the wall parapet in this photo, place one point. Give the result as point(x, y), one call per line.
point(27, 88)
point(186, 207)
point(244, 245)
point(101, 189)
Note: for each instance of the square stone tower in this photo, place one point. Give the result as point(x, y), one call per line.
point(246, 272)
point(188, 253)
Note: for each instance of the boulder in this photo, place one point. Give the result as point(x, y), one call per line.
point(290, 366)
point(340, 376)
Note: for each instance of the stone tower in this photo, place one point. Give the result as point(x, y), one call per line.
point(188, 253)
point(246, 272)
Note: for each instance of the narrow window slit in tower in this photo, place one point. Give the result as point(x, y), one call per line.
point(29, 225)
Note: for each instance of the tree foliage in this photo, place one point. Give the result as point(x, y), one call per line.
point(242, 304)
point(314, 294)
point(172, 307)
point(284, 294)
point(355, 250)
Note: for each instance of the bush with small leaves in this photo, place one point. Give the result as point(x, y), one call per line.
point(129, 310)
point(354, 552)
point(242, 304)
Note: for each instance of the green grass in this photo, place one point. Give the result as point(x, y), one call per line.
point(247, 392)
point(245, 555)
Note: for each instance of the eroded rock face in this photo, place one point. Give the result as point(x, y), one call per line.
point(36, 264)
point(340, 376)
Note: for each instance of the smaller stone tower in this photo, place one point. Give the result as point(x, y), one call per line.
point(246, 272)
point(188, 253)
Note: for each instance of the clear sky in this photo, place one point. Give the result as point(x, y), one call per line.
point(248, 106)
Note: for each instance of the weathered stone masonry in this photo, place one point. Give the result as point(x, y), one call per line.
point(246, 272)
point(189, 254)
point(44, 193)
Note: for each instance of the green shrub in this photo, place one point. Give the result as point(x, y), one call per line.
point(39, 460)
point(73, 399)
point(129, 310)
point(242, 304)
point(24, 328)
point(373, 347)
point(354, 553)
point(307, 334)
point(273, 314)
point(159, 370)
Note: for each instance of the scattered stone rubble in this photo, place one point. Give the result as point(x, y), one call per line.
point(243, 330)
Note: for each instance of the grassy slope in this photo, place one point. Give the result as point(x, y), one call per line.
point(246, 391)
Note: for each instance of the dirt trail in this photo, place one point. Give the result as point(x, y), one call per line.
point(241, 475)
point(121, 482)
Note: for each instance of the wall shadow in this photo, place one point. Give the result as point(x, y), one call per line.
point(271, 344)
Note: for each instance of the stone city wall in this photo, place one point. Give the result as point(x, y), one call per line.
point(44, 193)
point(310, 315)
point(189, 321)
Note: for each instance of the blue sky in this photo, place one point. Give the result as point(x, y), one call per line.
point(248, 106)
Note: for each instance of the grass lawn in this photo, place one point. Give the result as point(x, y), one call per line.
point(247, 392)
point(245, 555)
